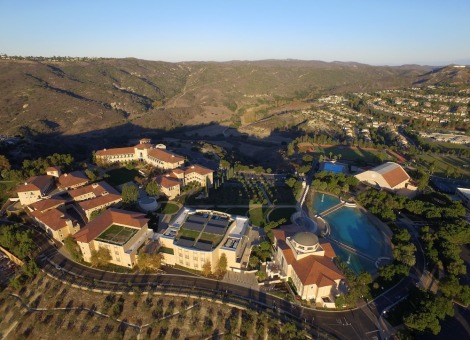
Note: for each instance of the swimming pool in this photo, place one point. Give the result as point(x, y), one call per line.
point(333, 167)
point(352, 227)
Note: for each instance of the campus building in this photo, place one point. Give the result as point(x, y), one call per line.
point(390, 176)
point(72, 180)
point(155, 155)
point(197, 237)
point(52, 216)
point(121, 232)
point(95, 197)
point(35, 188)
point(299, 255)
point(171, 182)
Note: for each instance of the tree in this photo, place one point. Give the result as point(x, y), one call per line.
point(73, 248)
point(206, 268)
point(30, 268)
point(4, 163)
point(221, 267)
point(149, 262)
point(130, 194)
point(92, 175)
point(152, 189)
point(100, 257)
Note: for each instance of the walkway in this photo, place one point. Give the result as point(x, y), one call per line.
point(351, 249)
point(332, 209)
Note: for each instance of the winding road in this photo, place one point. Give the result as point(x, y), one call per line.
point(359, 323)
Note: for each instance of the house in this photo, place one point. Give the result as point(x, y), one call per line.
point(156, 155)
point(169, 186)
point(121, 232)
point(72, 180)
point(300, 255)
point(52, 216)
point(197, 237)
point(199, 174)
point(54, 171)
point(171, 182)
point(390, 176)
point(95, 197)
point(35, 188)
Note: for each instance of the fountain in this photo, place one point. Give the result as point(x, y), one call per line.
point(349, 259)
point(322, 197)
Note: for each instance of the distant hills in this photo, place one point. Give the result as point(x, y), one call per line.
point(72, 97)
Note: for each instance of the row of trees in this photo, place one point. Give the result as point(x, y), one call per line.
point(334, 183)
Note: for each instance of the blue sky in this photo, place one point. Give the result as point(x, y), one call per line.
point(376, 32)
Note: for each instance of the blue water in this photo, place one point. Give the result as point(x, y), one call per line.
point(322, 202)
point(335, 168)
point(351, 227)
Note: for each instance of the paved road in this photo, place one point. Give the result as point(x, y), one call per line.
point(353, 324)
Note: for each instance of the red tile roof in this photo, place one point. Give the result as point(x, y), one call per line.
point(312, 269)
point(198, 169)
point(36, 183)
point(97, 189)
point(317, 270)
point(108, 218)
point(165, 156)
point(392, 173)
point(115, 151)
point(72, 179)
point(54, 218)
point(99, 201)
point(47, 204)
point(167, 182)
point(143, 146)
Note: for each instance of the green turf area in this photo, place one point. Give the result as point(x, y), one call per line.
point(117, 234)
point(168, 208)
point(279, 213)
point(215, 239)
point(258, 216)
point(166, 250)
point(122, 175)
point(442, 163)
point(188, 233)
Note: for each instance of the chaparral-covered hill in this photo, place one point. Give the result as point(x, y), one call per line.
point(73, 97)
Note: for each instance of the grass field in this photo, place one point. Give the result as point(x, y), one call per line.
point(443, 162)
point(168, 208)
point(279, 213)
point(122, 175)
point(117, 234)
point(258, 216)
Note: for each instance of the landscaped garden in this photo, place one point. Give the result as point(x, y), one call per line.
point(122, 175)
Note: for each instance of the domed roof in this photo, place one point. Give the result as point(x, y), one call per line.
point(305, 238)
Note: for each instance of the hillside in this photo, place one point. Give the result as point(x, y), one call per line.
point(72, 97)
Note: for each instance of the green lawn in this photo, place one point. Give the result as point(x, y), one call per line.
point(258, 216)
point(168, 208)
point(122, 175)
point(186, 233)
point(279, 213)
point(442, 162)
point(117, 234)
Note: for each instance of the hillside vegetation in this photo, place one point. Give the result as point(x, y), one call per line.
point(72, 97)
